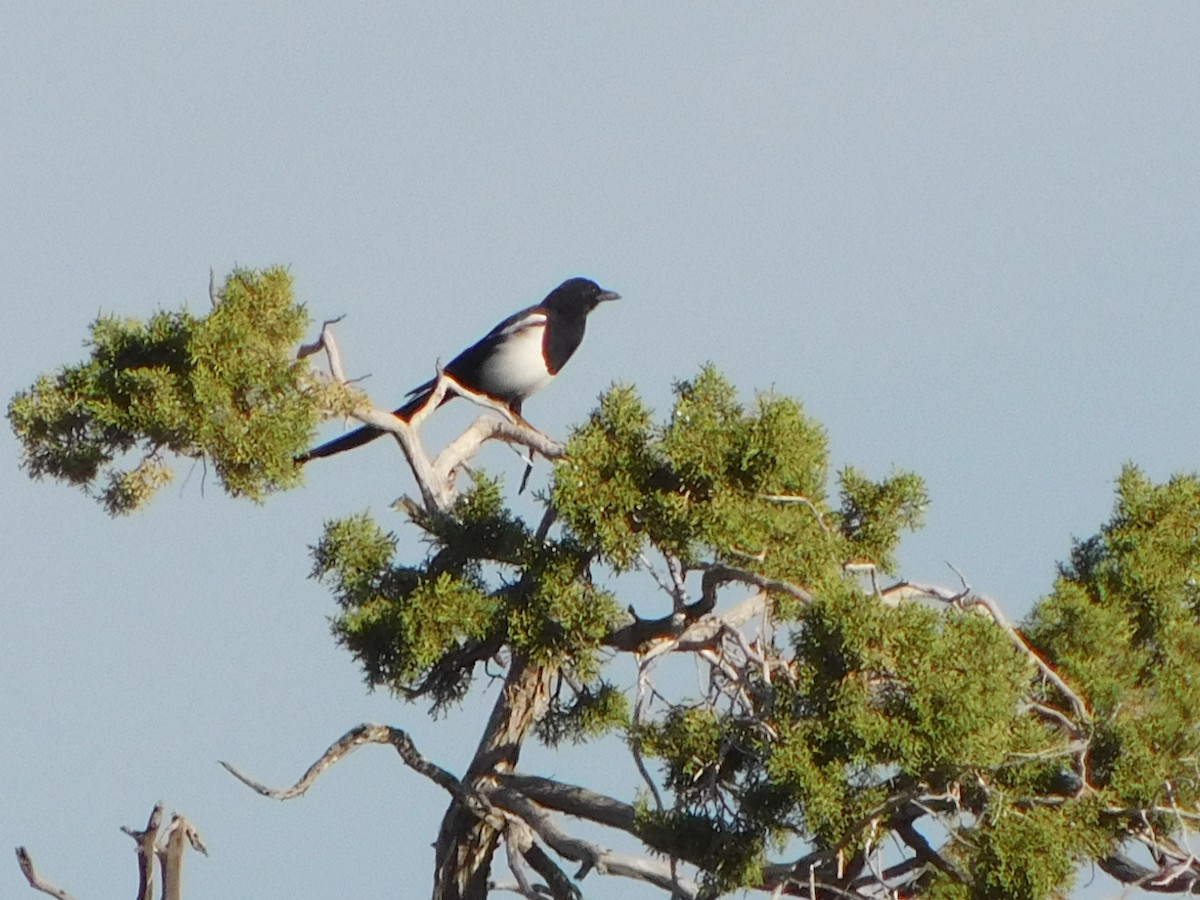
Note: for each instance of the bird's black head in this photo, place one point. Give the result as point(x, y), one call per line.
point(577, 294)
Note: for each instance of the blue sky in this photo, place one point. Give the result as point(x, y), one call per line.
point(964, 237)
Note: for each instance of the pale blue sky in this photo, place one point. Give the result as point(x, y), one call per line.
point(965, 237)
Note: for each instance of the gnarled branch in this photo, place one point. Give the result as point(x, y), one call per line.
point(35, 880)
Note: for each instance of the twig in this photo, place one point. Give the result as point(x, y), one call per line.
point(803, 501)
point(691, 631)
point(326, 341)
point(35, 880)
point(1077, 705)
point(635, 744)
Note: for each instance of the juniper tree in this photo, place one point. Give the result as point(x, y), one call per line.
point(857, 735)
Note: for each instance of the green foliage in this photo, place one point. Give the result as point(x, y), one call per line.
point(869, 711)
point(718, 483)
point(1122, 626)
point(873, 513)
point(1025, 855)
point(485, 584)
point(223, 388)
point(727, 856)
point(884, 702)
point(594, 711)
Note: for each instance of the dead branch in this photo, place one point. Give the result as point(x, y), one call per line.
point(521, 848)
point(170, 854)
point(435, 479)
point(486, 428)
point(517, 841)
point(327, 342)
point(925, 854)
point(1167, 879)
point(146, 851)
point(997, 615)
point(718, 575)
point(592, 856)
point(368, 733)
point(692, 630)
point(572, 800)
point(35, 880)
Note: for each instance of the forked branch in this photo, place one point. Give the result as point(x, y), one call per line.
point(435, 477)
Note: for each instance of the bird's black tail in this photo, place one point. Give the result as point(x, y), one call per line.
point(368, 433)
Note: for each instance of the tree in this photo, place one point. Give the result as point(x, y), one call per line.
point(858, 736)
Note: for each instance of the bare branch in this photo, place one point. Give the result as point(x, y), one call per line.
point(435, 479)
point(146, 852)
point(548, 519)
point(1164, 880)
point(717, 575)
point(926, 854)
point(368, 733)
point(592, 856)
point(171, 855)
point(803, 501)
point(573, 800)
point(327, 342)
point(35, 880)
point(639, 710)
point(486, 428)
point(517, 840)
point(559, 884)
point(676, 590)
point(997, 615)
point(691, 631)
point(513, 887)
point(352, 740)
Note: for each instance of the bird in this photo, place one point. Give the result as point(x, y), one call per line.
point(510, 363)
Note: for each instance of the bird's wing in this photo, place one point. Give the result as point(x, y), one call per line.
point(471, 358)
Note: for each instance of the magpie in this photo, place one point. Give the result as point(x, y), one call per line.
point(509, 364)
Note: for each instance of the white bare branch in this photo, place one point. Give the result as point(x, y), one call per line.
point(35, 880)
point(590, 855)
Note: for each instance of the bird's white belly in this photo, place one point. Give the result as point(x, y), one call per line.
point(517, 367)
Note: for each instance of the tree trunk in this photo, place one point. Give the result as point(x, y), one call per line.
point(465, 845)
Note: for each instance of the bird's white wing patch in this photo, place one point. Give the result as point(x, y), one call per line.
point(532, 320)
point(517, 367)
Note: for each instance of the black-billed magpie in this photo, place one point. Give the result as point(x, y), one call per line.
point(511, 362)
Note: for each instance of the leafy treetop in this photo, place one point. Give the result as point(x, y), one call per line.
point(837, 715)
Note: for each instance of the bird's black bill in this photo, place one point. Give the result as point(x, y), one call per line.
point(608, 295)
